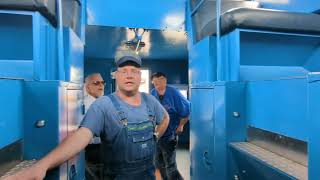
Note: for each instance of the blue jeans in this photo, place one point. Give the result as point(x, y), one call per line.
point(166, 159)
point(142, 175)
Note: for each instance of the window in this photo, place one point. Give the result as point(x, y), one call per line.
point(145, 81)
point(184, 92)
point(183, 88)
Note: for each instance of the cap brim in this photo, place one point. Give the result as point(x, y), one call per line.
point(128, 60)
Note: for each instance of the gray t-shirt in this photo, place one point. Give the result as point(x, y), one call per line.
point(102, 118)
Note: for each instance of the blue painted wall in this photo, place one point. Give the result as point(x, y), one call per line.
point(18, 29)
point(16, 59)
point(176, 71)
point(278, 106)
point(11, 111)
point(73, 55)
point(202, 61)
point(314, 125)
point(27, 46)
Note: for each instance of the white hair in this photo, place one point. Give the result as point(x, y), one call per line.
point(87, 79)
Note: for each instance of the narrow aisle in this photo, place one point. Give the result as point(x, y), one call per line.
point(183, 162)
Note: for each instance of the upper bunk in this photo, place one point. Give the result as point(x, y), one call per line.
point(46, 7)
point(252, 42)
point(250, 15)
point(71, 10)
point(265, 19)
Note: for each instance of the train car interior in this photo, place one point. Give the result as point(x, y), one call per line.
point(250, 70)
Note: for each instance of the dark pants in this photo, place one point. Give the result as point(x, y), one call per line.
point(142, 175)
point(166, 159)
point(94, 163)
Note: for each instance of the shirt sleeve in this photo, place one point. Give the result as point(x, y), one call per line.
point(158, 109)
point(94, 118)
point(182, 104)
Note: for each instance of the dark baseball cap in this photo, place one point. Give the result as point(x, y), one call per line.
point(125, 58)
point(157, 75)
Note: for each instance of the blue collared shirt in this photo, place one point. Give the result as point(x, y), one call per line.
point(176, 105)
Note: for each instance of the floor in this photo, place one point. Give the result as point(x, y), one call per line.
point(183, 162)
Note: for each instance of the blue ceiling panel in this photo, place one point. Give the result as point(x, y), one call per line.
point(155, 14)
point(102, 42)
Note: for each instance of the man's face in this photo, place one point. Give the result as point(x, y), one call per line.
point(159, 83)
point(95, 86)
point(128, 79)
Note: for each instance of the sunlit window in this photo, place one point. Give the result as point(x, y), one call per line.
point(144, 85)
point(184, 92)
point(183, 88)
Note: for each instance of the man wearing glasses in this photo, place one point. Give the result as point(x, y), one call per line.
point(94, 88)
point(127, 122)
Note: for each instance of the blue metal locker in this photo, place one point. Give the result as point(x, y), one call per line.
point(53, 110)
point(201, 132)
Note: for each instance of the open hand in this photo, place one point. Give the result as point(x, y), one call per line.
point(179, 130)
point(33, 173)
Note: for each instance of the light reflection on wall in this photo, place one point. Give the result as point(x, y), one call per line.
point(76, 74)
point(174, 21)
point(175, 37)
point(90, 15)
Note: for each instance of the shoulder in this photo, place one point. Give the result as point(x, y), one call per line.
point(176, 94)
point(102, 102)
point(172, 90)
point(150, 99)
point(148, 96)
point(153, 91)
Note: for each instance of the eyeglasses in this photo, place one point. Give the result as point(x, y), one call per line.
point(97, 83)
point(133, 72)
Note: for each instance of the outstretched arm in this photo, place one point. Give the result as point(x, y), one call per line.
point(70, 146)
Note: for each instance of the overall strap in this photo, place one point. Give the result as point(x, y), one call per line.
point(151, 112)
point(123, 116)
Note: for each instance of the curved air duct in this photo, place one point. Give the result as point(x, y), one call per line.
point(206, 14)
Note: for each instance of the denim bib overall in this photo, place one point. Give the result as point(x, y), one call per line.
point(130, 155)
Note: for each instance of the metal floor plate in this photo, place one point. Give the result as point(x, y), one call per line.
point(286, 165)
point(22, 165)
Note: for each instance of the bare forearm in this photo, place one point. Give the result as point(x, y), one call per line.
point(161, 128)
point(72, 145)
point(183, 121)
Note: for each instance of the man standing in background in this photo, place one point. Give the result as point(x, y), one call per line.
point(94, 88)
point(178, 108)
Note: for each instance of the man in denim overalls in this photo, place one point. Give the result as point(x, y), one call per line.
point(127, 122)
